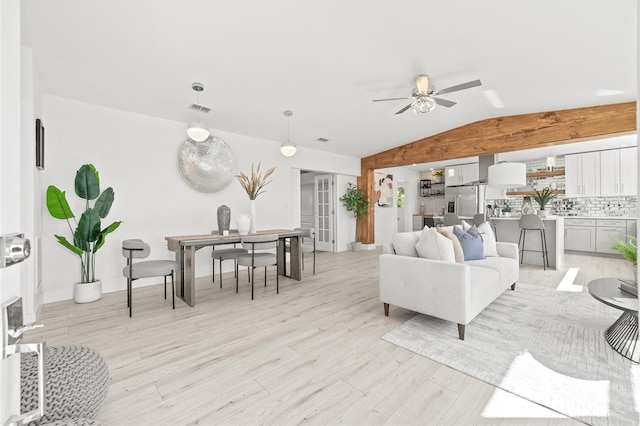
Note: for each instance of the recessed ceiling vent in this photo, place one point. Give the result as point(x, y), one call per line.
point(200, 108)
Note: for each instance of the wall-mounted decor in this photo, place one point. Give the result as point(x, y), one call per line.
point(384, 190)
point(207, 166)
point(39, 144)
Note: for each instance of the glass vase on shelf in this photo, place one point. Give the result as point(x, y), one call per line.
point(527, 206)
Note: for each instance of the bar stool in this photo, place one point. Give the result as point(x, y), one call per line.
point(532, 222)
point(451, 219)
point(480, 218)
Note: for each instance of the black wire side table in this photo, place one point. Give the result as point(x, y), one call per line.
point(622, 335)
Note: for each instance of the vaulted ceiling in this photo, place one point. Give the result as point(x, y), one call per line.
point(328, 59)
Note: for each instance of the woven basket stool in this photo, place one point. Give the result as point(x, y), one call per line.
point(77, 384)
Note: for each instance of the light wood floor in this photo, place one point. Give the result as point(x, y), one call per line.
point(311, 354)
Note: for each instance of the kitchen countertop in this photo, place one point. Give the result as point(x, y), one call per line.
point(550, 217)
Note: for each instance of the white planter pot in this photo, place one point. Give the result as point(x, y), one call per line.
point(87, 292)
point(542, 213)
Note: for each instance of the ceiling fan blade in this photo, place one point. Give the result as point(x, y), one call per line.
point(467, 85)
point(444, 102)
point(403, 109)
point(391, 99)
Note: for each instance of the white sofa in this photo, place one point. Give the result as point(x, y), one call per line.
point(451, 291)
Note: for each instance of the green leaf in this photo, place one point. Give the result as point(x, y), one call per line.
point(57, 204)
point(103, 203)
point(103, 235)
point(87, 183)
point(62, 240)
point(88, 229)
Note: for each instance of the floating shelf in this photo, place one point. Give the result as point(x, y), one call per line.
point(556, 172)
point(554, 191)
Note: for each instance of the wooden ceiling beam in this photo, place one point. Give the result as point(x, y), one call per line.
point(516, 132)
point(496, 135)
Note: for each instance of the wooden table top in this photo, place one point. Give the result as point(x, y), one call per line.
point(174, 242)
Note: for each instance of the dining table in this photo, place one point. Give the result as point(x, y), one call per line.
point(186, 246)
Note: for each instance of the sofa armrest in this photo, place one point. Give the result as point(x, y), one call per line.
point(509, 250)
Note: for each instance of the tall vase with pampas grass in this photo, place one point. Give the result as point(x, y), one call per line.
point(254, 186)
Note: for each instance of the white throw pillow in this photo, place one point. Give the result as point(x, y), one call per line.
point(488, 239)
point(465, 226)
point(433, 245)
point(404, 243)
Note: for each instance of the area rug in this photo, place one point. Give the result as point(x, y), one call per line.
point(544, 345)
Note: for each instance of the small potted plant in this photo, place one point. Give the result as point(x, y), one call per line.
point(506, 211)
point(88, 235)
point(542, 198)
point(628, 249)
point(437, 176)
point(355, 201)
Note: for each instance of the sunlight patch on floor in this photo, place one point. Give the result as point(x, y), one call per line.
point(577, 397)
point(566, 284)
point(505, 405)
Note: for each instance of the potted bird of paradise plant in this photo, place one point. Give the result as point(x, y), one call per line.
point(88, 234)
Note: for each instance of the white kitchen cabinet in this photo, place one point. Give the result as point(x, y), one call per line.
point(582, 175)
point(619, 172)
point(632, 229)
point(607, 231)
point(580, 234)
point(462, 174)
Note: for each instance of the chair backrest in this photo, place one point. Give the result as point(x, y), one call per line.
point(480, 218)
point(307, 233)
point(451, 219)
point(135, 248)
point(531, 221)
point(260, 242)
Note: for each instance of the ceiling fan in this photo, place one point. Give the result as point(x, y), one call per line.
point(424, 99)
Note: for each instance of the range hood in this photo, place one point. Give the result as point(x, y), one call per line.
point(484, 161)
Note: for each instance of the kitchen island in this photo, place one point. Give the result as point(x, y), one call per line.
point(508, 230)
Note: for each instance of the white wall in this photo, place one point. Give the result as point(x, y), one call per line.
point(137, 156)
point(386, 219)
point(345, 221)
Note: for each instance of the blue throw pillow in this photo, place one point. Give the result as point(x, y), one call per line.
point(471, 242)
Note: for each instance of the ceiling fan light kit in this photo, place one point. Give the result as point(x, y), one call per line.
point(197, 131)
point(288, 148)
point(425, 99)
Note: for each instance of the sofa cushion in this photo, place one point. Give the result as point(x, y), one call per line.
point(488, 239)
point(506, 267)
point(433, 245)
point(458, 253)
point(471, 242)
point(404, 243)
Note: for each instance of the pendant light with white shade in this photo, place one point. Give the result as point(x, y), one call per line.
point(507, 175)
point(288, 148)
point(196, 130)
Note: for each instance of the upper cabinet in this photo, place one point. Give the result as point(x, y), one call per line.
point(619, 171)
point(605, 173)
point(461, 175)
point(582, 174)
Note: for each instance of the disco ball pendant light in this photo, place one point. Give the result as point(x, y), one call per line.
point(196, 130)
point(288, 148)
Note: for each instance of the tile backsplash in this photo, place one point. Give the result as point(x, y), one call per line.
point(561, 206)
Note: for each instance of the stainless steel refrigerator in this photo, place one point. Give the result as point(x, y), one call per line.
point(465, 200)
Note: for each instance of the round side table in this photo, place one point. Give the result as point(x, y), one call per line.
point(622, 335)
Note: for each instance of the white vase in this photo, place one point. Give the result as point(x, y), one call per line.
point(243, 222)
point(87, 292)
point(542, 213)
point(252, 209)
